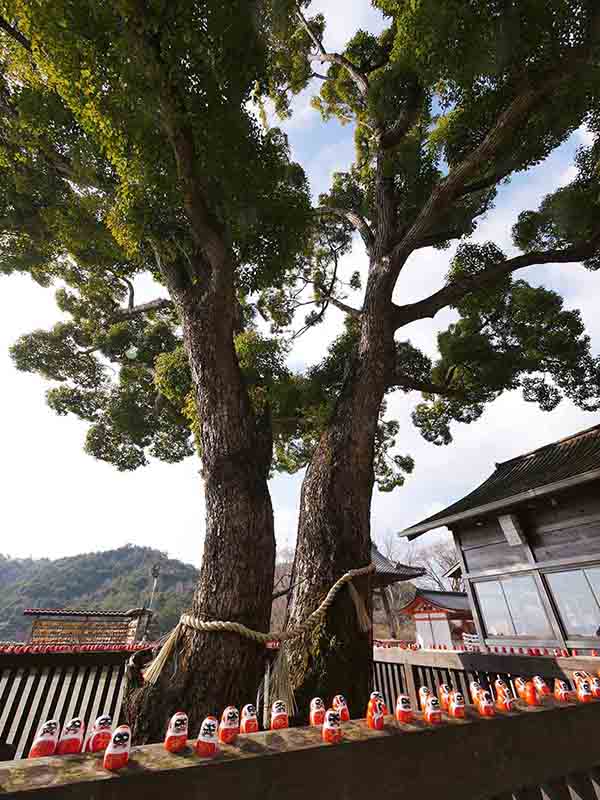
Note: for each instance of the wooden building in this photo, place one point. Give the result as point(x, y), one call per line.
point(386, 574)
point(65, 626)
point(441, 618)
point(528, 545)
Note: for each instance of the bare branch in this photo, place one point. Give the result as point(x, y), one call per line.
point(359, 78)
point(131, 301)
point(456, 290)
point(319, 76)
point(161, 304)
point(355, 219)
point(353, 312)
point(15, 34)
point(406, 382)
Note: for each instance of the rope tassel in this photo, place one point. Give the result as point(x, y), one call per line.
point(152, 673)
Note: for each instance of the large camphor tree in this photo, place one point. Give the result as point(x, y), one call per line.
point(129, 151)
point(448, 102)
point(130, 148)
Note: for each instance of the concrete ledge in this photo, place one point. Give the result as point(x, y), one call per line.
point(459, 760)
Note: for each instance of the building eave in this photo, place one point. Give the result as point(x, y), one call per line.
point(497, 505)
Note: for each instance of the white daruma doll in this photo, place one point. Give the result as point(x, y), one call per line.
point(100, 734)
point(177, 732)
point(116, 754)
point(207, 743)
point(46, 741)
point(230, 725)
point(332, 727)
point(249, 723)
point(71, 739)
point(279, 716)
point(317, 711)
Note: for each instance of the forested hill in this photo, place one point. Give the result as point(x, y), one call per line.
point(113, 579)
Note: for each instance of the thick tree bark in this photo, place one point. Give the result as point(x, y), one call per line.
point(212, 670)
point(334, 525)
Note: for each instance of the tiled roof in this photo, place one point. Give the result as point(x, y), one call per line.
point(387, 572)
point(550, 468)
point(83, 612)
point(450, 601)
point(21, 648)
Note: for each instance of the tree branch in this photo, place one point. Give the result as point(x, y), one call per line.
point(359, 78)
point(355, 219)
point(15, 34)
point(405, 382)
point(353, 312)
point(161, 304)
point(454, 292)
point(506, 126)
point(406, 119)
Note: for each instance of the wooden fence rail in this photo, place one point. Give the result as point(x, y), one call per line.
point(398, 671)
point(554, 750)
point(54, 686)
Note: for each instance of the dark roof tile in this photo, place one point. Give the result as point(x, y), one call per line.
point(577, 455)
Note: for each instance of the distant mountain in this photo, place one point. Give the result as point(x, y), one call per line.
point(113, 579)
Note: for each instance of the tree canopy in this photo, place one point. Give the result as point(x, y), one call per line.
point(447, 103)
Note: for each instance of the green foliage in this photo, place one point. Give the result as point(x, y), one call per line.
point(511, 335)
point(115, 580)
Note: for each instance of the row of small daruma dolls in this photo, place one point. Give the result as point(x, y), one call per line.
point(529, 691)
point(116, 744)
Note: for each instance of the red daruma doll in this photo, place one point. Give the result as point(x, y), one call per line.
point(230, 725)
point(341, 706)
point(100, 735)
point(206, 744)
point(177, 733)
point(456, 706)
point(317, 711)
point(116, 754)
point(379, 696)
point(332, 727)
point(433, 712)
point(444, 692)
point(404, 712)
point(249, 723)
point(46, 741)
point(541, 686)
point(486, 704)
point(424, 695)
point(71, 739)
point(375, 714)
point(279, 716)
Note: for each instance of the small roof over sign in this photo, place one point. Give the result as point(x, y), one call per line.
point(551, 468)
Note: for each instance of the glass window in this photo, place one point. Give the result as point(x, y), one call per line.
point(593, 576)
point(575, 599)
point(494, 609)
point(526, 608)
point(512, 607)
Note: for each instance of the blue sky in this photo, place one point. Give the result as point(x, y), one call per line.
point(57, 501)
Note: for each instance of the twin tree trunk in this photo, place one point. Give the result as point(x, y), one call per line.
point(334, 526)
point(212, 670)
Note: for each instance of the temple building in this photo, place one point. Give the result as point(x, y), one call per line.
point(528, 547)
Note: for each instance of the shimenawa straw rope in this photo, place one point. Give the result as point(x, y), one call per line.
point(152, 673)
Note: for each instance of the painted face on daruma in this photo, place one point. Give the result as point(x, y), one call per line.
point(404, 703)
point(179, 723)
point(248, 711)
point(339, 700)
point(332, 719)
point(103, 722)
point(316, 704)
point(120, 740)
point(279, 707)
point(231, 716)
point(49, 728)
point(209, 728)
point(74, 726)
point(459, 700)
